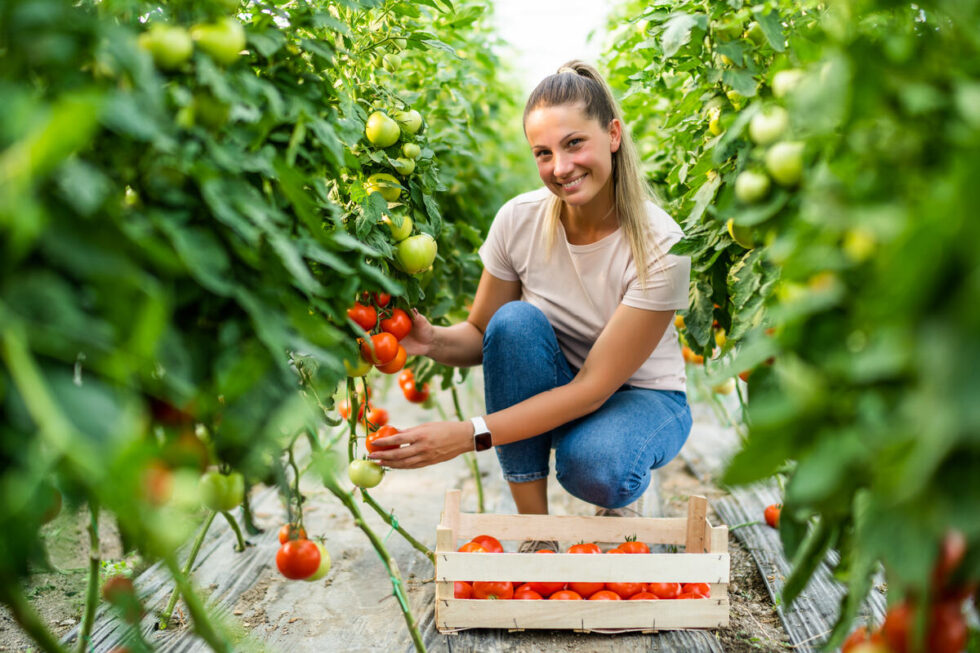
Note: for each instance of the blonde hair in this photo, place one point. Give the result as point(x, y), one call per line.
point(577, 82)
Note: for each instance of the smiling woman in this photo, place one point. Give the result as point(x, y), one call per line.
point(571, 272)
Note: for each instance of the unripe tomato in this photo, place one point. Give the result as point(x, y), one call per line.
point(404, 167)
point(767, 126)
point(360, 368)
point(391, 62)
point(365, 473)
point(416, 253)
point(742, 235)
point(411, 150)
point(385, 185)
point(170, 46)
point(298, 559)
point(324, 567)
point(751, 186)
point(381, 130)
point(411, 120)
point(398, 233)
point(223, 40)
point(222, 492)
point(785, 81)
point(784, 161)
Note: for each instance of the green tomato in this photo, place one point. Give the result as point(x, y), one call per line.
point(209, 111)
point(222, 492)
point(714, 121)
point(223, 41)
point(365, 473)
point(784, 161)
point(411, 150)
point(324, 567)
point(736, 98)
point(399, 233)
point(755, 34)
point(381, 130)
point(767, 126)
point(741, 234)
point(416, 253)
point(169, 46)
point(385, 184)
point(751, 186)
point(360, 368)
point(411, 121)
point(404, 167)
point(785, 81)
point(391, 62)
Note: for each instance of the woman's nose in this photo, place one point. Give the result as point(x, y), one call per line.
point(563, 166)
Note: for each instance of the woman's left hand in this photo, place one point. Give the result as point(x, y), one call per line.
point(424, 445)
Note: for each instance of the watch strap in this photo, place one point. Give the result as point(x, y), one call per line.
point(481, 434)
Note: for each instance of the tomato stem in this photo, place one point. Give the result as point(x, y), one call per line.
point(164, 619)
point(202, 625)
point(368, 499)
point(25, 615)
point(92, 593)
point(240, 544)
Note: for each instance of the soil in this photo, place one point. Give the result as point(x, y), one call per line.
point(59, 596)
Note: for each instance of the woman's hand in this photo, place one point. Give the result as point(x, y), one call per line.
point(419, 340)
point(424, 445)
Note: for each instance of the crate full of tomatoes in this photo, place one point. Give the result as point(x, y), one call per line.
point(480, 585)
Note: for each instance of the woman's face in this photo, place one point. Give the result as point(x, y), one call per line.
point(573, 152)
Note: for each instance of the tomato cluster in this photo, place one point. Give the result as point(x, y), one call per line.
point(945, 629)
point(412, 391)
point(381, 347)
point(573, 591)
point(300, 558)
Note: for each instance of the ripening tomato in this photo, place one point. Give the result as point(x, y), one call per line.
point(365, 316)
point(414, 393)
point(344, 409)
point(644, 596)
point(398, 325)
point(472, 547)
point(605, 595)
point(493, 589)
point(590, 547)
point(291, 532)
point(377, 417)
point(526, 593)
point(298, 559)
point(383, 432)
point(625, 590)
point(324, 567)
point(383, 348)
point(489, 542)
point(381, 298)
point(120, 592)
point(857, 637)
point(632, 546)
point(565, 595)
point(664, 590)
point(462, 590)
point(697, 588)
point(772, 514)
point(395, 363)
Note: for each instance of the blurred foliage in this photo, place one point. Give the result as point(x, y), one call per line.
point(864, 283)
point(178, 236)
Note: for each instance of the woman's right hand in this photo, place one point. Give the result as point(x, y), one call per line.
point(419, 340)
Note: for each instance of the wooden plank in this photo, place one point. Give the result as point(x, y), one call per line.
point(652, 567)
point(573, 528)
point(584, 615)
point(718, 539)
point(697, 525)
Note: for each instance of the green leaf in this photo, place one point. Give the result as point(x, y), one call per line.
point(771, 27)
point(677, 31)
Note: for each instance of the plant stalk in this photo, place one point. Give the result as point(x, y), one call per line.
point(368, 499)
point(164, 619)
point(240, 544)
point(92, 592)
point(202, 624)
point(469, 457)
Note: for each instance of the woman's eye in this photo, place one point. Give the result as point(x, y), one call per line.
point(574, 142)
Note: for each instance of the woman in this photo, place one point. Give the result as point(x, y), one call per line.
point(576, 339)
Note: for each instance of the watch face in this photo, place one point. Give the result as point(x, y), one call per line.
point(483, 441)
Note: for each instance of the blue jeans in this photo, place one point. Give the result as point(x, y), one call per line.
point(604, 457)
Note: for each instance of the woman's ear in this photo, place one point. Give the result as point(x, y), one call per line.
point(615, 134)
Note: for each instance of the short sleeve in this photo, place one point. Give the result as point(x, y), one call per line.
point(494, 252)
point(668, 275)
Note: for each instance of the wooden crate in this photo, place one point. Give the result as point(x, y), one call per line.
point(704, 560)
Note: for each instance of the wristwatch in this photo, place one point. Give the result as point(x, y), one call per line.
point(481, 434)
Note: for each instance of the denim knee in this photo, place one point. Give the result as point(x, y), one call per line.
point(512, 325)
point(608, 481)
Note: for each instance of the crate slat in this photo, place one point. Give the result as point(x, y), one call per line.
point(453, 614)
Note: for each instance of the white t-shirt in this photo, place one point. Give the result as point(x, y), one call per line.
point(580, 286)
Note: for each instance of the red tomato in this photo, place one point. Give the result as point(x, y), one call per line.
point(485, 589)
point(344, 409)
point(947, 628)
point(585, 590)
point(407, 377)
point(472, 547)
point(298, 559)
point(745, 375)
point(526, 593)
point(384, 346)
point(590, 547)
point(396, 363)
point(644, 596)
point(632, 546)
point(664, 590)
point(382, 432)
point(896, 627)
point(381, 298)
point(489, 542)
point(377, 417)
point(697, 588)
point(857, 637)
point(605, 595)
point(772, 514)
point(398, 325)
point(414, 393)
point(616, 550)
point(462, 590)
point(565, 595)
point(365, 316)
point(689, 595)
point(625, 590)
point(291, 532)
point(951, 553)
